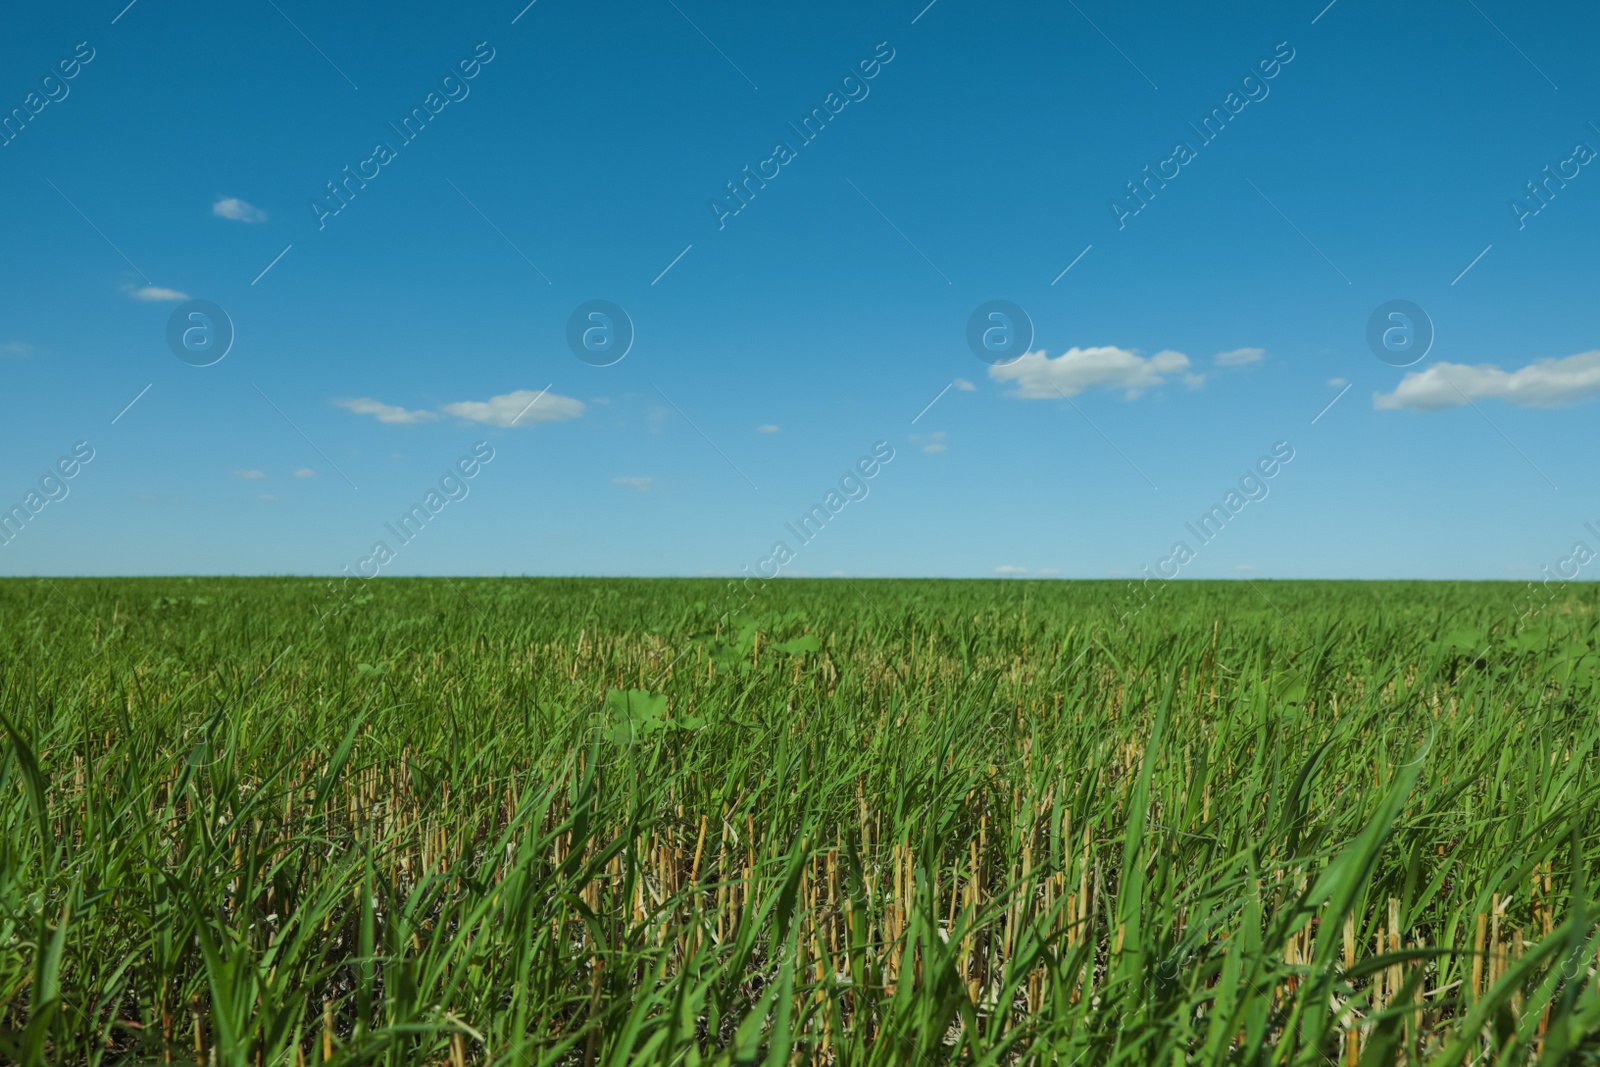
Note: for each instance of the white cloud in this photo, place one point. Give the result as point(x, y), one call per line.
point(513, 408)
point(964, 386)
point(268, 497)
point(248, 474)
point(231, 207)
point(1337, 382)
point(154, 293)
point(932, 444)
point(1007, 568)
point(641, 484)
point(1194, 381)
point(1038, 377)
point(15, 348)
point(305, 472)
point(1546, 383)
point(365, 405)
point(1244, 568)
point(768, 428)
point(1240, 356)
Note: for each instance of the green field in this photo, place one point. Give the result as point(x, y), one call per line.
point(550, 821)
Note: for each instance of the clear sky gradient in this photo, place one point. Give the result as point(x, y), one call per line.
point(572, 152)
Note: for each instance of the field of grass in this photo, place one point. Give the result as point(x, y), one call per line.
point(601, 822)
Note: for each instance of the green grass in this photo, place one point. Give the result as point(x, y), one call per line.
point(603, 822)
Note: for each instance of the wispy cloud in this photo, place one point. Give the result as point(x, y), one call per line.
point(513, 408)
point(962, 385)
point(156, 294)
point(249, 475)
point(1038, 377)
point(1546, 383)
point(641, 484)
point(932, 443)
point(521, 408)
point(1238, 357)
point(15, 348)
point(365, 405)
point(231, 207)
point(305, 472)
point(767, 428)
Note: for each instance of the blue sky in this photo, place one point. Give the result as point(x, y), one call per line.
point(776, 346)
